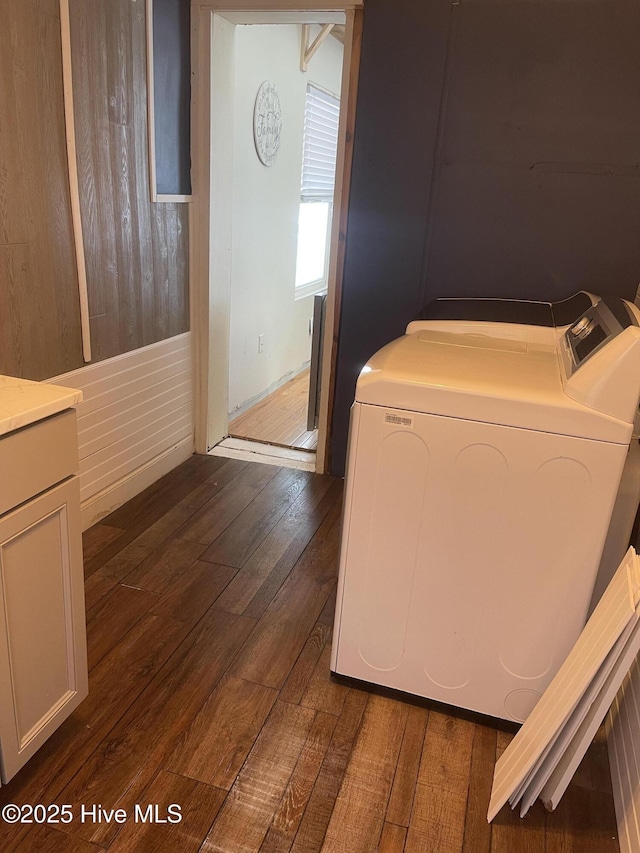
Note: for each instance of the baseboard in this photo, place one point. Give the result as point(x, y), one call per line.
point(98, 506)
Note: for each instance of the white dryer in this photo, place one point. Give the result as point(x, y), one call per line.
point(484, 461)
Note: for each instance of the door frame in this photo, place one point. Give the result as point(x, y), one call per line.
point(210, 223)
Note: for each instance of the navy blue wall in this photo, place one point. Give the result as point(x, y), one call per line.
point(496, 153)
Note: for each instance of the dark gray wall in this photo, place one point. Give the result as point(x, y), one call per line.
point(496, 153)
point(172, 94)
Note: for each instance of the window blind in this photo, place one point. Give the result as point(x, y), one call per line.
point(321, 115)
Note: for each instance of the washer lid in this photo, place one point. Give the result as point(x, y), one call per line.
point(476, 377)
point(512, 311)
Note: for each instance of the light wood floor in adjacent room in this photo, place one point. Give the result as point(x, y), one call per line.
point(210, 602)
point(281, 418)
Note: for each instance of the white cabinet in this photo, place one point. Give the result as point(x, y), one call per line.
point(43, 658)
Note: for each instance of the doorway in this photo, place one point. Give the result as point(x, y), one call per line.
point(233, 247)
point(286, 118)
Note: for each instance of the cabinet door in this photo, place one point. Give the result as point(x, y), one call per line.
point(43, 657)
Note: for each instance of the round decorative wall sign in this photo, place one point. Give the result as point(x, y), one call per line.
point(267, 123)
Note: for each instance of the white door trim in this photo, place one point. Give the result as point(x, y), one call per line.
point(210, 224)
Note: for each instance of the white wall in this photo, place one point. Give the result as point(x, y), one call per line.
point(135, 422)
point(265, 211)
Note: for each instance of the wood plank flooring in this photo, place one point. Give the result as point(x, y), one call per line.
point(280, 419)
point(209, 628)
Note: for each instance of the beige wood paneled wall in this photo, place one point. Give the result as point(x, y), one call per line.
point(136, 251)
point(39, 303)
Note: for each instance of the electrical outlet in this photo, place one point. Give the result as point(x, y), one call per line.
point(260, 343)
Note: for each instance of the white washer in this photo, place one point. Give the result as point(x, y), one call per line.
point(483, 466)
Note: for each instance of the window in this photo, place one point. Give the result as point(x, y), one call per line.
point(320, 143)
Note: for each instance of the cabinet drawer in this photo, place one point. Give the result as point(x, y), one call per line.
point(37, 457)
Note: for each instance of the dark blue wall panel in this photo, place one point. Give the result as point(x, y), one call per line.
point(404, 47)
point(496, 153)
point(171, 77)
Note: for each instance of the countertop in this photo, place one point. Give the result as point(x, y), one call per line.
point(23, 402)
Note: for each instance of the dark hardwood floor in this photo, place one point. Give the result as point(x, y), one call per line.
point(209, 603)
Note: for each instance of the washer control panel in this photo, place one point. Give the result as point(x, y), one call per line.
point(595, 328)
